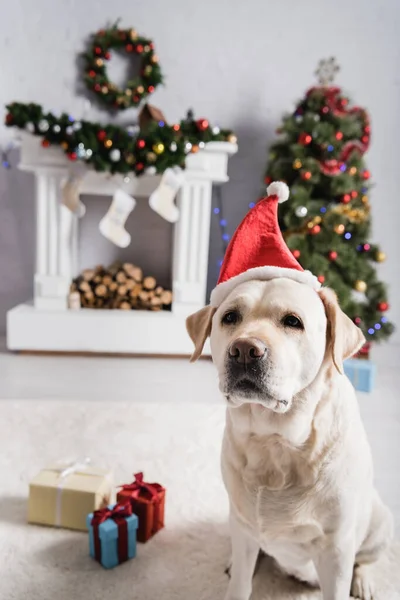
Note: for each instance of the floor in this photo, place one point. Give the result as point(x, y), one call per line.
point(165, 416)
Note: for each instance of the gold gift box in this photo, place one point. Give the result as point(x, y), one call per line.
point(63, 495)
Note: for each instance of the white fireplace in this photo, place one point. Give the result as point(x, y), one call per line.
point(46, 323)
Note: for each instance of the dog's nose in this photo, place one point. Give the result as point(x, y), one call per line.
point(247, 350)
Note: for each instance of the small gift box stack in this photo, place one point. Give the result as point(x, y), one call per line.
point(361, 373)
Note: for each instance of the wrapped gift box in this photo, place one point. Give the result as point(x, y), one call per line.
point(361, 373)
point(112, 534)
point(62, 495)
point(148, 503)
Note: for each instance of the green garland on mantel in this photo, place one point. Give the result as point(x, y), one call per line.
point(114, 149)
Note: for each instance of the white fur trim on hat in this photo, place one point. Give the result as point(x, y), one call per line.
point(280, 189)
point(222, 290)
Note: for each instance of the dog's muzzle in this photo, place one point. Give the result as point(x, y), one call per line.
point(246, 367)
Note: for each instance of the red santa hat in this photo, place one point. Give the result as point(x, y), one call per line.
point(257, 250)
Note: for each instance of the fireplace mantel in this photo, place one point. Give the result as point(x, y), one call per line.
point(47, 324)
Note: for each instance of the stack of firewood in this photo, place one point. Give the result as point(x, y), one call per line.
point(121, 285)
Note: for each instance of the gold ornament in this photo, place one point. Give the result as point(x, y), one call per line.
point(140, 89)
point(151, 157)
point(310, 224)
point(130, 159)
point(380, 256)
point(154, 58)
point(108, 143)
point(99, 62)
point(104, 89)
point(133, 34)
point(339, 229)
point(158, 148)
point(64, 145)
point(317, 219)
point(194, 149)
point(146, 48)
point(364, 199)
point(148, 70)
point(297, 164)
point(360, 286)
point(128, 92)
point(352, 170)
point(232, 139)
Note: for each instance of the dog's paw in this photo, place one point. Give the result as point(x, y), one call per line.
point(361, 586)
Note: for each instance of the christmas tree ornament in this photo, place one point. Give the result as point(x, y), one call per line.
point(346, 198)
point(69, 130)
point(357, 320)
point(321, 278)
point(354, 194)
point(70, 195)
point(315, 230)
point(43, 125)
point(327, 70)
point(112, 224)
point(56, 129)
point(304, 139)
point(296, 253)
point(383, 306)
point(101, 135)
point(188, 147)
point(202, 124)
point(339, 135)
point(108, 143)
point(297, 164)
point(45, 143)
point(258, 251)
point(162, 199)
point(332, 255)
point(352, 170)
point(77, 126)
point(232, 139)
point(366, 174)
point(306, 175)
point(30, 127)
point(360, 286)
point(301, 211)
point(151, 156)
point(380, 256)
point(115, 155)
point(158, 148)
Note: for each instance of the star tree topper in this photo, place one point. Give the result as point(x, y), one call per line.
point(326, 71)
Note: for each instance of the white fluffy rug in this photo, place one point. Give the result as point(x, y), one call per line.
point(175, 444)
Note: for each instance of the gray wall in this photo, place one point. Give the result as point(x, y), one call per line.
point(241, 64)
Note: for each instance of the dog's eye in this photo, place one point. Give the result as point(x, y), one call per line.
point(293, 322)
point(230, 318)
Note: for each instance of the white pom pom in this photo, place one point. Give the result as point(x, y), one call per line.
point(280, 189)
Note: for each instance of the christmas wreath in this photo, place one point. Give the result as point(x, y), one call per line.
point(138, 87)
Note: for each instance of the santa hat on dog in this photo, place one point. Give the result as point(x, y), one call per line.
point(257, 251)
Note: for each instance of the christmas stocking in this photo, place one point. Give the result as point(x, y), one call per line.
point(162, 199)
point(112, 224)
point(70, 195)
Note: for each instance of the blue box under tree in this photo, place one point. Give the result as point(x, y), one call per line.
point(361, 373)
point(108, 534)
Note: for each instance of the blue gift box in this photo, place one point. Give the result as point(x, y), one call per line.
point(108, 534)
point(361, 373)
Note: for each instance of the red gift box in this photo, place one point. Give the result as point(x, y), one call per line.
point(148, 503)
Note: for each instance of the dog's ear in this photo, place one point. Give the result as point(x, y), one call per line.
point(344, 337)
point(198, 327)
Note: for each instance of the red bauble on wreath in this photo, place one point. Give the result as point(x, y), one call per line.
point(383, 306)
point(137, 88)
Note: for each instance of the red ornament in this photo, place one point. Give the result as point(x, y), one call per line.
point(325, 110)
point(354, 194)
point(176, 127)
point(139, 48)
point(97, 87)
point(315, 230)
point(304, 139)
point(136, 99)
point(129, 48)
point(357, 320)
point(9, 118)
point(92, 73)
point(339, 135)
point(296, 253)
point(346, 198)
point(321, 278)
point(150, 89)
point(72, 155)
point(365, 139)
point(366, 174)
point(140, 144)
point(139, 166)
point(367, 129)
point(343, 102)
point(366, 247)
point(332, 255)
point(202, 124)
point(267, 180)
point(98, 50)
point(107, 56)
point(306, 175)
point(101, 135)
point(383, 306)
point(151, 45)
point(45, 143)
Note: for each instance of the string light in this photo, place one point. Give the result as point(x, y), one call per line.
point(222, 222)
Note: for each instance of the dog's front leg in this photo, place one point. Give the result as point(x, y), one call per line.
point(244, 557)
point(334, 565)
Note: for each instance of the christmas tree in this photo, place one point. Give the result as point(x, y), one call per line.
point(326, 224)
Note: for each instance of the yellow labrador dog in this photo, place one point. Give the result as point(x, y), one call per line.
point(295, 459)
